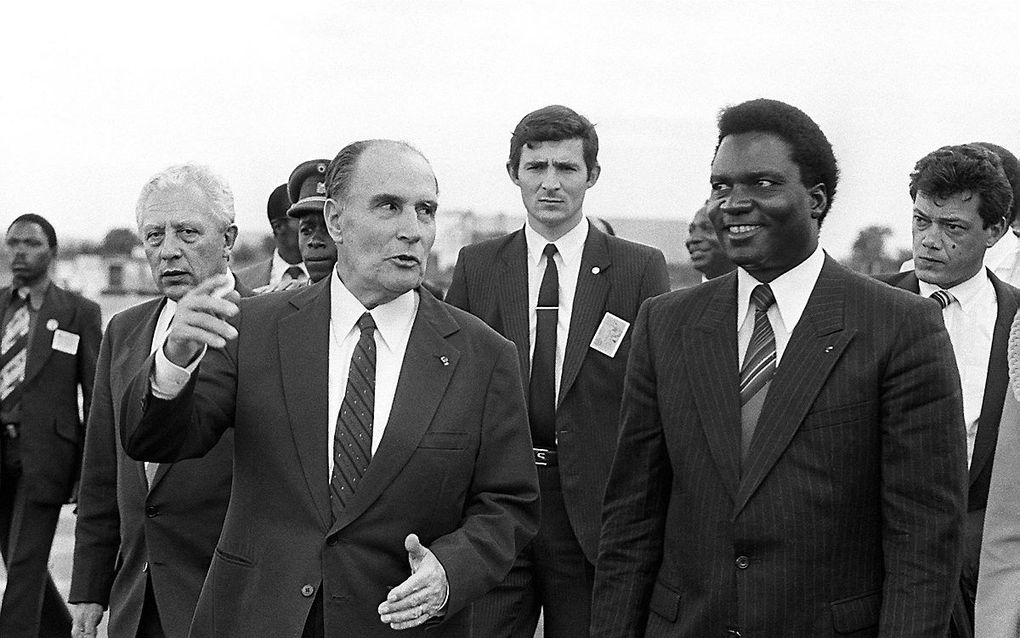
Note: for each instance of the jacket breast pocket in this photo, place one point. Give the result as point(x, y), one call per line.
point(234, 559)
point(444, 441)
point(861, 411)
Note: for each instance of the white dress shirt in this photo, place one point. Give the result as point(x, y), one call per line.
point(568, 263)
point(791, 290)
point(280, 266)
point(393, 321)
point(970, 321)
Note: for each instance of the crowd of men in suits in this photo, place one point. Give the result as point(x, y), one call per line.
point(318, 446)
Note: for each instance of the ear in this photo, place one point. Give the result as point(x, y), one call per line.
point(513, 174)
point(331, 212)
point(995, 231)
point(593, 174)
point(229, 237)
point(819, 200)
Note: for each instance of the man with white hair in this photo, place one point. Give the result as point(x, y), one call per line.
point(146, 532)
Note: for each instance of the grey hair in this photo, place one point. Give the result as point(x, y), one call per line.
point(341, 169)
point(212, 185)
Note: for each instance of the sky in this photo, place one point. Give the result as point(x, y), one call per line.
point(97, 97)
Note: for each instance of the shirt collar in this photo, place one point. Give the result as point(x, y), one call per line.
point(966, 293)
point(393, 319)
point(791, 289)
point(569, 246)
point(36, 293)
point(280, 265)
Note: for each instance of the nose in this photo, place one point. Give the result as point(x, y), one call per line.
point(551, 179)
point(409, 228)
point(931, 238)
point(736, 201)
point(317, 239)
point(170, 248)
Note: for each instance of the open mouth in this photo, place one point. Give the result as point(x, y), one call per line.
point(406, 260)
point(742, 231)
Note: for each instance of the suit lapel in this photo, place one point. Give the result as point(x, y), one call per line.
point(513, 299)
point(996, 380)
point(816, 344)
point(589, 302)
point(710, 349)
point(39, 349)
point(429, 364)
point(305, 371)
point(129, 360)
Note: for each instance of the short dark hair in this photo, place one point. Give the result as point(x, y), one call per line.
point(1011, 167)
point(47, 228)
point(809, 148)
point(965, 167)
point(552, 124)
point(341, 168)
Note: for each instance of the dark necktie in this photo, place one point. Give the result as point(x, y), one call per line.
point(14, 350)
point(294, 272)
point(352, 441)
point(542, 387)
point(943, 297)
point(759, 366)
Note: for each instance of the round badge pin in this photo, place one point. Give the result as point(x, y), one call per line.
point(595, 270)
point(51, 325)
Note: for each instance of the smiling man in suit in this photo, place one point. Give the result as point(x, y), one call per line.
point(50, 339)
point(383, 470)
point(565, 293)
point(146, 531)
point(792, 459)
point(962, 206)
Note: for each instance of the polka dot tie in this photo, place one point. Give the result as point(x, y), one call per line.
point(352, 441)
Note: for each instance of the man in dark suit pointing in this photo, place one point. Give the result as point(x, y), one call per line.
point(792, 459)
point(586, 286)
point(374, 427)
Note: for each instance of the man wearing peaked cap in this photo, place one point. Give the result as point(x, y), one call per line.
point(285, 264)
point(307, 190)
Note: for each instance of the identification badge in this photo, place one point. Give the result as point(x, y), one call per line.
point(65, 341)
point(610, 334)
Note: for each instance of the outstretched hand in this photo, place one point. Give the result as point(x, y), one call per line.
point(422, 595)
point(201, 320)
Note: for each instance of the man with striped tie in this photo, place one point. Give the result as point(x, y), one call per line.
point(50, 339)
point(384, 478)
point(791, 459)
point(961, 208)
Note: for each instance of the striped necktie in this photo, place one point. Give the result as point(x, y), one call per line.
point(14, 350)
point(944, 298)
point(760, 360)
point(352, 441)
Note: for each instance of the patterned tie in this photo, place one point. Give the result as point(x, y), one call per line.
point(760, 360)
point(352, 441)
point(14, 350)
point(542, 386)
point(943, 297)
point(294, 272)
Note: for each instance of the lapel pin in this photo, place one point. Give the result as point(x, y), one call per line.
point(445, 361)
point(51, 325)
point(828, 348)
point(595, 270)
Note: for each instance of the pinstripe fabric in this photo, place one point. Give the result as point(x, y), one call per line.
point(847, 517)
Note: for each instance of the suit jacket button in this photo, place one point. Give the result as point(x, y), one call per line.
point(145, 567)
point(332, 540)
point(307, 591)
point(743, 562)
point(151, 511)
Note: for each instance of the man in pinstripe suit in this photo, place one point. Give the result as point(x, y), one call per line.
point(792, 459)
